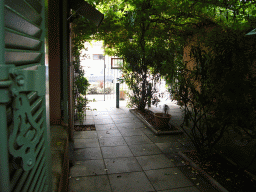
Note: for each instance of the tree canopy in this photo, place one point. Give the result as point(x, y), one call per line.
point(160, 24)
point(122, 17)
point(150, 34)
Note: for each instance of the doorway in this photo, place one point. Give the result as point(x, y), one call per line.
point(100, 73)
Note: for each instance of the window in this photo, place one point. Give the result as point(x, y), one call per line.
point(117, 63)
point(98, 57)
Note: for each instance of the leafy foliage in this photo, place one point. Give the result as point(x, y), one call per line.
point(82, 84)
point(217, 91)
point(151, 36)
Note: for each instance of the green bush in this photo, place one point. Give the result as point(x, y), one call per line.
point(82, 84)
point(224, 99)
point(93, 90)
point(108, 90)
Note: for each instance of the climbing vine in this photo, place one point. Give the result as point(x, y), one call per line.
point(81, 83)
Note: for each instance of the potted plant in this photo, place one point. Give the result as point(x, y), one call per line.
point(162, 119)
point(122, 91)
point(122, 94)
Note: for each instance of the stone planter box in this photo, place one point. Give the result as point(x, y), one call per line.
point(156, 132)
point(162, 120)
point(206, 176)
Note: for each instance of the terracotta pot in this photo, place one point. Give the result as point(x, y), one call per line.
point(122, 95)
point(162, 120)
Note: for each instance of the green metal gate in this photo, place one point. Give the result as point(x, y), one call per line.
point(24, 132)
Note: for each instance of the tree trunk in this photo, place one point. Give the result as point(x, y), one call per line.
point(142, 103)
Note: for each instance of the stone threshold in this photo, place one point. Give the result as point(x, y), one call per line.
point(60, 160)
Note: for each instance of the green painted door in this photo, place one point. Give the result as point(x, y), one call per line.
point(24, 131)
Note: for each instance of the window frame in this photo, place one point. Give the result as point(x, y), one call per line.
point(117, 66)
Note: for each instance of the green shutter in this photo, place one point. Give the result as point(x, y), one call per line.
point(22, 83)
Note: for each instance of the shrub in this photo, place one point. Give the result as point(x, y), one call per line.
point(108, 90)
point(217, 91)
point(93, 90)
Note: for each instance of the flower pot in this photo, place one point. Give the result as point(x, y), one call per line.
point(162, 120)
point(122, 95)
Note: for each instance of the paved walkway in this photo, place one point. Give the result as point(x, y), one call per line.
point(123, 155)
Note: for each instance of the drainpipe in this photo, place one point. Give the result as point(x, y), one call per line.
point(4, 162)
point(104, 71)
point(64, 52)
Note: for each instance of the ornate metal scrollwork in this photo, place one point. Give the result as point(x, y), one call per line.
point(25, 134)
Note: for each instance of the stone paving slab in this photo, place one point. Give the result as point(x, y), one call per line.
point(127, 182)
point(147, 131)
point(103, 121)
point(131, 125)
point(90, 184)
point(154, 162)
point(173, 147)
point(117, 111)
point(105, 127)
point(122, 115)
point(88, 122)
point(162, 138)
point(116, 151)
point(86, 143)
point(101, 117)
point(123, 155)
point(144, 149)
point(111, 141)
point(131, 132)
point(109, 133)
point(87, 153)
point(126, 120)
point(136, 140)
point(186, 189)
point(85, 134)
point(117, 116)
point(169, 178)
point(88, 168)
point(100, 112)
point(122, 165)
point(176, 159)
